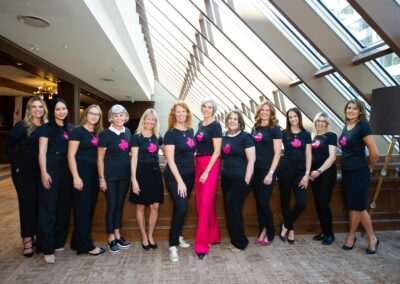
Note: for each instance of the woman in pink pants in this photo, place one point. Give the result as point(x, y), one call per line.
point(208, 138)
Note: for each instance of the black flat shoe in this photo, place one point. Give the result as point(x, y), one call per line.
point(372, 251)
point(344, 247)
point(153, 246)
point(282, 238)
point(319, 237)
point(146, 247)
point(290, 241)
point(101, 250)
point(328, 240)
point(202, 255)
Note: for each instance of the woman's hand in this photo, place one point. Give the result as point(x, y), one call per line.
point(78, 183)
point(314, 175)
point(268, 179)
point(103, 185)
point(135, 187)
point(203, 177)
point(304, 182)
point(46, 180)
point(182, 190)
point(247, 179)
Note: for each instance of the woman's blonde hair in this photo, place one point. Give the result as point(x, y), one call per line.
point(272, 121)
point(98, 128)
point(361, 107)
point(149, 113)
point(30, 127)
point(317, 116)
point(172, 118)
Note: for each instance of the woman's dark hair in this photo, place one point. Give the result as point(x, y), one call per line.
point(52, 119)
point(288, 130)
point(242, 124)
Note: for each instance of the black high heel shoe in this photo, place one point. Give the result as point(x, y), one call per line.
point(28, 254)
point(282, 238)
point(372, 251)
point(344, 247)
point(289, 240)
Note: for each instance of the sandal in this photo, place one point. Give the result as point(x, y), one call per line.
point(30, 253)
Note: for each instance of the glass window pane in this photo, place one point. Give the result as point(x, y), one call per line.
point(391, 63)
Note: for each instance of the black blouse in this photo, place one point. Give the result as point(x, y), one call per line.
point(148, 147)
point(263, 137)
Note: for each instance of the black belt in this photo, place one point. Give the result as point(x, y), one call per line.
point(203, 154)
point(58, 153)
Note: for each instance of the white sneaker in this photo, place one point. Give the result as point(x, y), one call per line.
point(173, 254)
point(183, 243)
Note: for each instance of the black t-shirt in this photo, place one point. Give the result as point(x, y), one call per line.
point(320, 148)
point(148, 147)
point(185, 147)
point(117, 158)
point(58, 137)
point(26, 154)
point(295, 145)
point(263, 140)
point(353, 146)
point(233, 154)
point(205, 135)
point(88, 141)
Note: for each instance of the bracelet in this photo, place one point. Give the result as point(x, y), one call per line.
point(307, 173)
point(271, 172)
point(101, 177)
point(319, 171)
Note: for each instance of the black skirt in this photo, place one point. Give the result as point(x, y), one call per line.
point(355, 185)
point(150, 183)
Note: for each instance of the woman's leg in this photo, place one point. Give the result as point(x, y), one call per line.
point(153, 217)
point(141, 219)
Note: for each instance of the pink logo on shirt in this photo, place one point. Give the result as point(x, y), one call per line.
point(227, 149)
point(95, 141)
point(199, 136)
point(316, 144)
point(190, 142)
point(123, 145)
point(66, 135)
point(343, 141)
point(152, 148)
point(258, 137)
point(296, 143)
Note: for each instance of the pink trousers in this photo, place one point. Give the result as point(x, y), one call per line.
point(207, 224)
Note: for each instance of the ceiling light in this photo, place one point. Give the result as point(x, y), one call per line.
point(19, 63)
point(34, 21)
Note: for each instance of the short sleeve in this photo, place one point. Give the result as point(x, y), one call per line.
point(75, 135)
point(307, 137)
point(332, 139)
point(365, 129)
point(277, 133)
point(44, 131)
point(168, 138)
point(217, 130)
point(103, 140)
point(248, 141)
point(135, 140)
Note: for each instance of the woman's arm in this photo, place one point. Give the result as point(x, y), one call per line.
point(169, 156)
point(135, 184)
point(217, 151)
point(275, 161)
point(101, 152)
point(46, 178)
point(373, 151)
point(72, 149)
point(304, 181)
point(251, 158)
point(327, 164)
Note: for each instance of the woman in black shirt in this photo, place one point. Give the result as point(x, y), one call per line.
point(267, 137)
point(179, 173)
point(356, 172)
point(147, 183)
point(323, 175)
point(294, 172)
point(113, 164)
point(21, 148)
point(238, 154)
point(82, 160)
point(55, 192)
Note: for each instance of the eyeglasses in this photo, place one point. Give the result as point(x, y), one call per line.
point(321, 121)
point(93, 113)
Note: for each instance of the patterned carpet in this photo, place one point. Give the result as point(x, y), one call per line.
point(306, 261)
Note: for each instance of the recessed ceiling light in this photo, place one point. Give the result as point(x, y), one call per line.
point(19, 63)
point(34, 21)
point(107, 79)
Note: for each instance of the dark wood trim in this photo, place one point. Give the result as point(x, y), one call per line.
point(5, 82)
point(325, 70)
point(368, 54)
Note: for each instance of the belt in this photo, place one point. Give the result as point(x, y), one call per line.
point(203, 154)
point(58, 153)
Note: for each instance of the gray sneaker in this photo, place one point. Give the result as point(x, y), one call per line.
point(113, 246)
point(183, 243)
point(122, 243)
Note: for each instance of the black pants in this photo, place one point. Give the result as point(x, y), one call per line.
point(181, 204)
point(55, 206)
point(27, 187)
point(115, 196)
point(290, 174)
point(262, 194)
point(322, 189)
point(84, 203)
point(234, 190)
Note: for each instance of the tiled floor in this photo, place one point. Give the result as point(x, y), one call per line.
point(306, 261)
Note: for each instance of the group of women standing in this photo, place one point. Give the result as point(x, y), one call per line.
point(56, 166)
